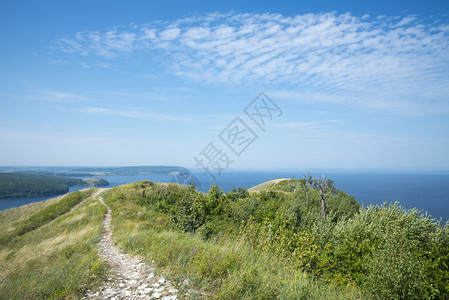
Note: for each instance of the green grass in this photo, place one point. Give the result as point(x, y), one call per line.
point(44, 215)
point(12, 216)
point(224, 268)
point(57, 259)
point(259, 246)
point(266, 245)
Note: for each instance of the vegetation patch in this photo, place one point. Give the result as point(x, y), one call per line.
point(295, 239)
point(44, 216)
point(278, 243)
point(57, 260)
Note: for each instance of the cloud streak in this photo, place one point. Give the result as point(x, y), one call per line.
point(131, 114)
point(358, 59)
point(57, 96)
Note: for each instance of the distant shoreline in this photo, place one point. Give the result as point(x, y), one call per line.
point(16, 185)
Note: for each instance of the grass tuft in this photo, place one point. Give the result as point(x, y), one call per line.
point(57, 259)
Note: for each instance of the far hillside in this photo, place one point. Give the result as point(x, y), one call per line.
point(267, 185)
point(27, 185)
point(96, 171)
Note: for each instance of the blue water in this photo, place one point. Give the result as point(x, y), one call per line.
point(427, 192)
point(6, 203)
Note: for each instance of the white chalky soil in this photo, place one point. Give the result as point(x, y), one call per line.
point(131, 278)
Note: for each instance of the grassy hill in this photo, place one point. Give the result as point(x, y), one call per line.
point(267, 244)
point(49, 251)
point(266, 186)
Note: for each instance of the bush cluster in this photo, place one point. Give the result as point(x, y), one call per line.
point(385, 251)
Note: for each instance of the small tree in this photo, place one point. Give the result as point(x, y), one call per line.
point(307, 184)
point(214, 200)
point(323, 187)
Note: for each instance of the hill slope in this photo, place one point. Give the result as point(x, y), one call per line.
point(267, 185)
point(235, 245)
point(244, 246)
point(48, 249)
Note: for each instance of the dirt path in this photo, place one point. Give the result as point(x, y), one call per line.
point(93, 196)
point(130, 277)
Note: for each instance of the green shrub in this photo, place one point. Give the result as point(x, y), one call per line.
point(391, 252)
point(395, 271)
point(190, 214)
point(386, 252)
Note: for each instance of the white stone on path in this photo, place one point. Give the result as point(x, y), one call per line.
point(131, 278)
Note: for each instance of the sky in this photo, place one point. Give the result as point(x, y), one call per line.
point(225, 84)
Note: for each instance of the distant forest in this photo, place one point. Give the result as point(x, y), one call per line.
point(28, 185)
point(95, 171)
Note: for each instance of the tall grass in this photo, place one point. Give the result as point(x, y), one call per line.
point(223, 268)
point(45, 215)
point(59, 258)
point(244, 246)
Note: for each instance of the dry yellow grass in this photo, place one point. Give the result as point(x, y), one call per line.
point(51, 239)
point(38, 248)
point(267, 185)
point(11, 216)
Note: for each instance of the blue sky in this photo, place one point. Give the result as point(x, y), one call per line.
point(115, 83)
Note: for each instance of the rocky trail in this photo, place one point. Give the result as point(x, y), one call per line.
point(129, 276)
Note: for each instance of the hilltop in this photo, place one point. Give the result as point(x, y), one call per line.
point(273, 243)
point(267, 185)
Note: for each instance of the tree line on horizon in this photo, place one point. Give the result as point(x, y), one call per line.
point(29, 185)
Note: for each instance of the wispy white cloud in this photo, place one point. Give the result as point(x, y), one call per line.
point(146, 96)
point(169, 34)
point(385, 101)
point(367, 139)
point(307, 125)
point(57, 96)
point(130, 114)
point(353, 59)
point(59, 62)
point(100, 96)
point(405, 21)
